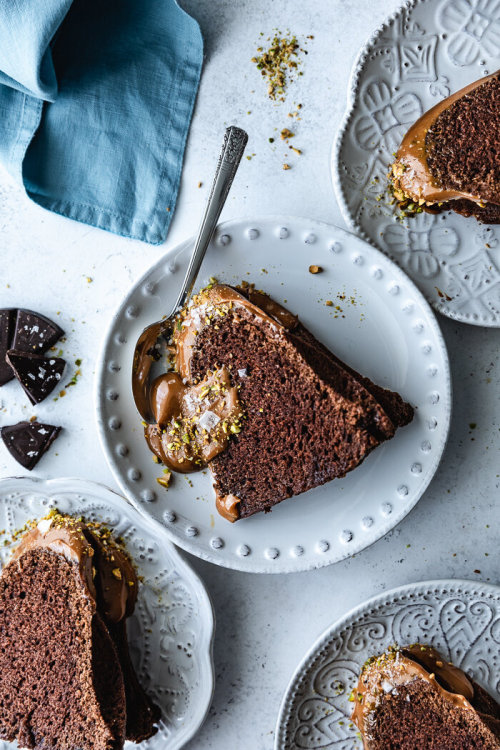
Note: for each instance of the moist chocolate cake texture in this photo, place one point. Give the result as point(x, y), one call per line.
point(66, 679)
point(412, 698)
point(450, 158)
point(272, 412)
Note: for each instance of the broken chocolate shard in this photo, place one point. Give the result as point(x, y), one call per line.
point(24, 331)
point(37, 374)
point(34, 332)
point(27, 442)
point(7, 321)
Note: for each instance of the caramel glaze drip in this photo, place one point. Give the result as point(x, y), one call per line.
point(410, 171)
point(105, 571)
point(116, 580)
point(227, 506)
point(180, 406)
point(386, 673)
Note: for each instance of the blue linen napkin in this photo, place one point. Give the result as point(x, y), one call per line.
point(96, 97)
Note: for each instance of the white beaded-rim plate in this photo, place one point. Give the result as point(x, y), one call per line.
point(171, 631)
point(427, 50)
point(461, 619)
point(379, 323)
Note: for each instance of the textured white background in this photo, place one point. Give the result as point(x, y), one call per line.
point(264, 624)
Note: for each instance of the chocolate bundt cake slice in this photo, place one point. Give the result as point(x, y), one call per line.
point(66, 679)
point(303, 417)
point(412, 698)
point(450, 158)
point(61, 684)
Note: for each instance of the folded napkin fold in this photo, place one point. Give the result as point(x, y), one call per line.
point(96, 97)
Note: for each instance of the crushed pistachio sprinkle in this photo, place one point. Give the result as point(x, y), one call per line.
point(278, 63)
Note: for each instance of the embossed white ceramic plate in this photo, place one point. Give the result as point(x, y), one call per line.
point(383, 328)
point(171, 630)
point(461, 619)
point(426, 51)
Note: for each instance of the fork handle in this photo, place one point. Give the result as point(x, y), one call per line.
point(235, 140)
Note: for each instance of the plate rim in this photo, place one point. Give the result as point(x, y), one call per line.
point(352, 92)
point(190, 545)
point(69, 484)
point(357, 611)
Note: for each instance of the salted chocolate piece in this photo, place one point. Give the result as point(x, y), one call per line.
point(34, 332)
point(24, 331)
point(306, 417)
point(413, 698)
point(28, 441)
point(37, 374)
point(7, 320)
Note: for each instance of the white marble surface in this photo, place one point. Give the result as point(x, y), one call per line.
point(264, 624)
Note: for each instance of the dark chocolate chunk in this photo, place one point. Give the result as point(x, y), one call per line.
point(7, 321)
point(28, 441)
point(34, 332)
point(37, 374)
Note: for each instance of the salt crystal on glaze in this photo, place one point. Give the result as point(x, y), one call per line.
point(44, 525)
point(209, 420)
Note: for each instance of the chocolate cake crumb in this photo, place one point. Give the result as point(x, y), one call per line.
point(463, 151)
point(67, 612)
point(60, 679)
point(412, 698)
point(310, 418)
point(450, 157)
point(463, 144)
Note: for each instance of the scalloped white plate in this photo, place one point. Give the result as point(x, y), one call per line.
point(461, 619)
point(423, 53)
point(171, 630)
point(384, 329)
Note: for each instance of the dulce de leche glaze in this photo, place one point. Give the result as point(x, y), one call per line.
point(116, 580)
point(193, 422)
point(105, 571)
point(382, 676)
point(411, 175)
point(227, 506)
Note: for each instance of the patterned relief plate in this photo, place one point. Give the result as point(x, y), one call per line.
point(171, 630)
point(383, 327)
point(461, 619)
point(423, 53)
